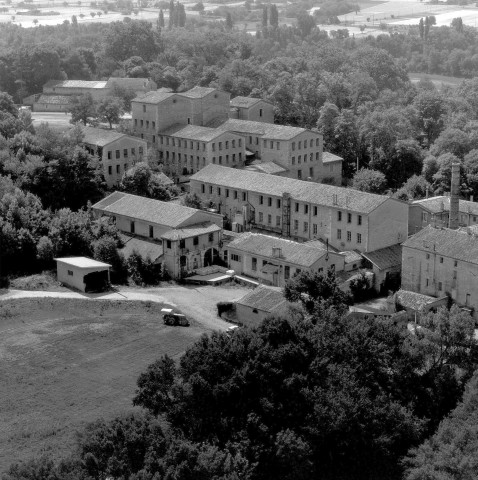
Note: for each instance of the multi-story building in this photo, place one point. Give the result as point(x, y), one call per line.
point(248, 108)
point(435, 211)
point(185, 150)
point(189, 238)
point(273, 261)
point(442, 261)
point(117, 152)
point(347, 218)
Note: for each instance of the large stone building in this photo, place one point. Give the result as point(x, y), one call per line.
point(188, 238)
point(273, 260)
point(164, 119)
point(347, 218)
point(442, 261)
point(117, 152)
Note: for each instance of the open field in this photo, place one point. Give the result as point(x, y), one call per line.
point(55, 120)
point(438, 80)
point(68, 361)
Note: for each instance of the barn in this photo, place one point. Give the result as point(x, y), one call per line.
point(83, 273)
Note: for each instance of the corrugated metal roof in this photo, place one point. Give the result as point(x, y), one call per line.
point(385, 257)
point(457, 244)
point(442, 203)
point(291, 252)
point(146, 209)
point(266, 299)
point(310, 192)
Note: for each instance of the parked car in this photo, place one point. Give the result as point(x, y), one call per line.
point(174, 319)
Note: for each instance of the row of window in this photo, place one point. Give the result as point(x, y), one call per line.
point(311, 144)
point(463, 216)
point(125, 153)
point(349, 236)
point(118, 169)
point(153, 124)
point(235, 193)
point(455, 262)
point(349, 218)
point(196, 145)
point(299, 158)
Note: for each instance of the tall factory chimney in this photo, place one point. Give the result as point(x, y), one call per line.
point(454, 196)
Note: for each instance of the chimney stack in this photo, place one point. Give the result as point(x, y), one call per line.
point(454, 196)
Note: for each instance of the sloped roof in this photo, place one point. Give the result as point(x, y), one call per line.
point(82, 262)
point(271, 168)
point(328, 157)
point(413, 300)
point(163, 178)
point(351, 256)
point(191, 231)
point(100, 136)
point(384, 258)
point(144, 247)
point(198, 92)
point(146, 209)
point(267, 130)
point(311, 192)
point(292, 252)
point(53, 99)
point(133, 83)
point(192, 132)
point(264, 298)
point(245, 102)
point(457, 244)
point(442, 203)
point(153, 97)
point(76, 83)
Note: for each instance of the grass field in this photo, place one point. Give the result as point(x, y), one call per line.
point(438, 80)
point(66, 362)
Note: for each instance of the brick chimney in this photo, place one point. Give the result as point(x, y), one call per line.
point(454, 196)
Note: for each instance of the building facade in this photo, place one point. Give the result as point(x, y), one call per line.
point(117, 152)
point(255, 109)
point(346, 218)
point(441, 261)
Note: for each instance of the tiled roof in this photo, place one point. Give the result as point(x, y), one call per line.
point(198, 92)
point(385, 257)
point(311, 192)
point(442, 203)
point(154, 97)
point(352, 257)
point(191, 231)
point(267, 130)
point(457, 244)
point(244, 102)
point(192, 132)
point(133, 83)
point(110, 199)
point(76, 83)
point(292, 252)
point(413, 300)
point(100, 136)
point(143, 247)
point(146, 209)
point(271, 168)
point(328, 157)
point(263, 298)
point(54, 99)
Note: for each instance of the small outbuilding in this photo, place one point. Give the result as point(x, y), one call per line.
point(83, 273)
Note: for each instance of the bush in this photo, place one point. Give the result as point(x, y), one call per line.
point(223, 307)
point(362, 287)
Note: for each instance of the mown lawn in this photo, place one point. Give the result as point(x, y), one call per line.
point(64, 363)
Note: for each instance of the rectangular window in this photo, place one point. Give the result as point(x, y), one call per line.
point(235, 257)
point(211, 237)
point(359, 238)
point(244, 196)
point(151, 231)
point(296, 224)
point(349, 236)
point(118, 167)
point(110, 170)
point(125, 152)
point(261, 200)
point(339, 234)
point(311, 172)
point(154, 124)
point(195, 240)
point(254, 264)
point(131, 227)
point(227, 193)
point(233, 142)
point(235, 194)
point(144, 108)
point(428, 282)
point(260, 112)
point(315, 211)
point(296, 207)
point(109, 155)
point(293, 146)
point(70, 272)
point(306, 227)
point(210, 190)
point(299, 145)
point(428, 256)
point(203, 188)
point(278, 145)
point(306, 209)
point(168, 244)
point(269, 202)
point(278, 221)
point(314, 228)
point(339, 216)
point(278, 202)
point(154, 138)
point(440, 286)
point(441, 259)
point(293, 160)
point(219, 190)
point(261, 217)
point(269, 219)
point(133, 152)
point(117, 154)
point(349, 218)
point(424, 216)
point(299, 174)
point(220, 145)
point(287, 272)
point(147, 123)
point(359, 219)
point(455, 263)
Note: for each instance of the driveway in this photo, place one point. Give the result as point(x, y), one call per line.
point(198, 303)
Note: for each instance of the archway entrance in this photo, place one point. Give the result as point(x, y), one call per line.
point(211, 257)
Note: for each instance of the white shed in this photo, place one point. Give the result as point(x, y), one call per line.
point(83, 273)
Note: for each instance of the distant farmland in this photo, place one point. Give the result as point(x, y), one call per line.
point(438, 80)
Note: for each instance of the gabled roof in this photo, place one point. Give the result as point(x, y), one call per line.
point(457, 244)
point(193, 132)
point(100, 137)
point(191, 231)
point(442, 204)
point(310, 192)
point(145, 209)
point(413, 300)
point(76, 83)
point(153, 97)
point(271, 168)
point(291, 252)
point(266, 299)
point(352, 256)
point(144, 247)
point(384, 258)
point(198, 92)
point(328, 157)
point(245, 102)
